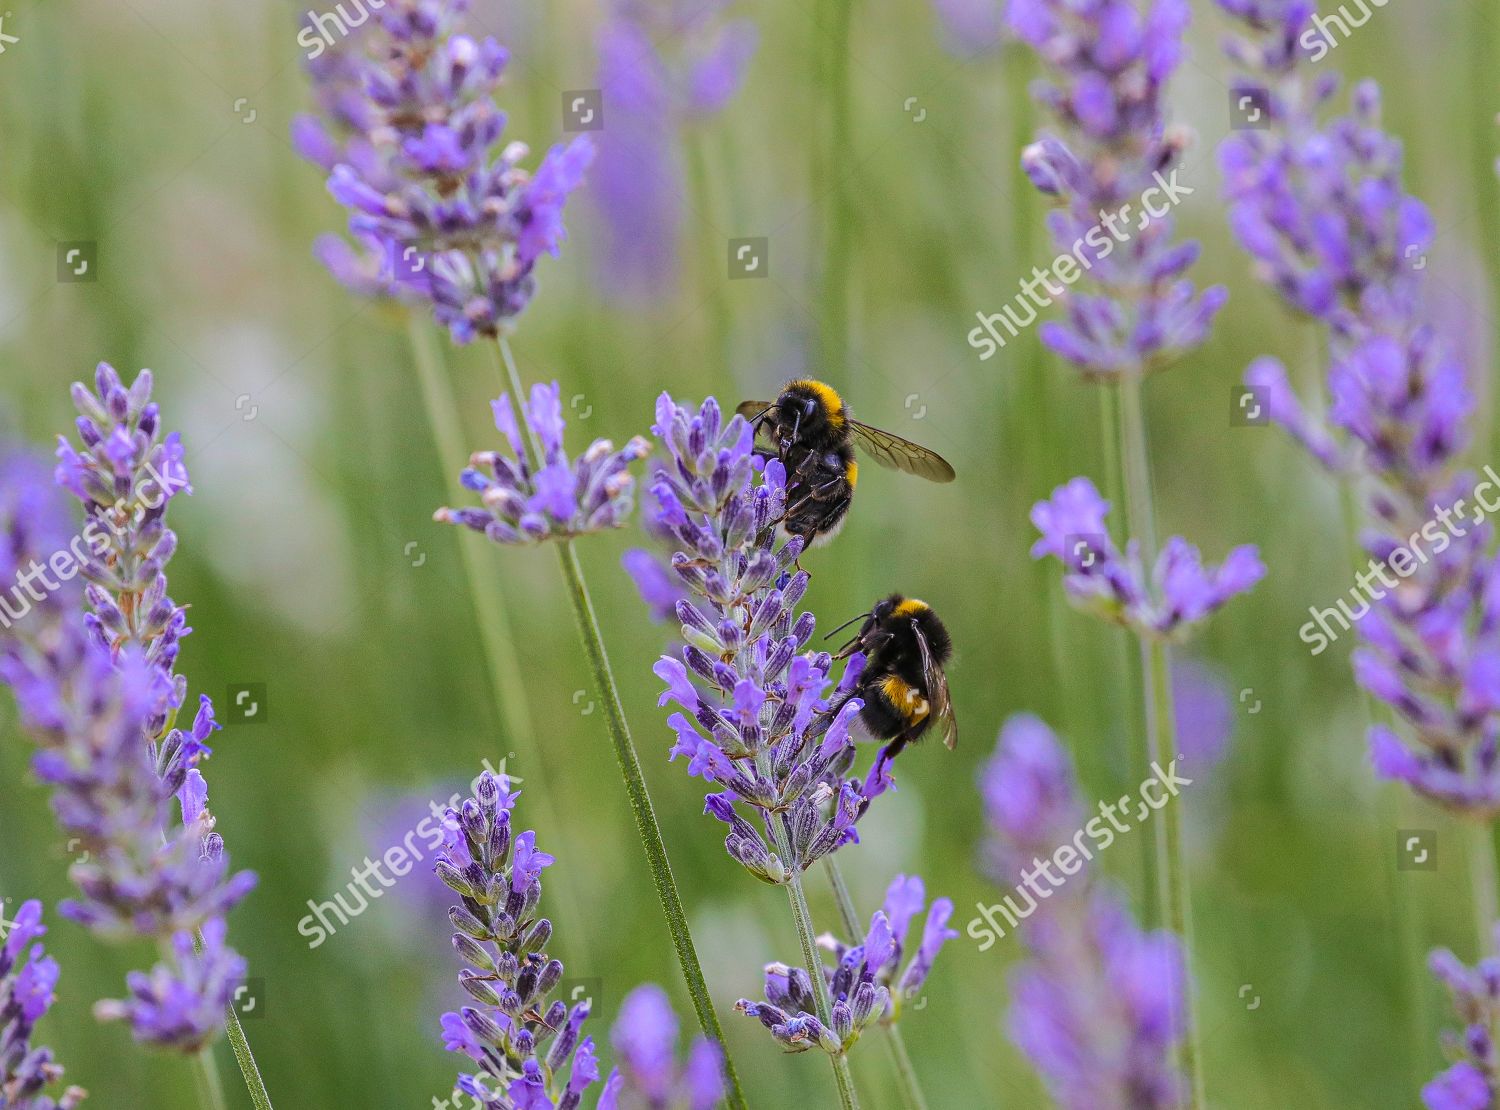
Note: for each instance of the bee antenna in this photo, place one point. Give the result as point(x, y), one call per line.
point(761, 415)
point(846, 624)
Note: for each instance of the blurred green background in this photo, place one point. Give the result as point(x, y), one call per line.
point(158, 131)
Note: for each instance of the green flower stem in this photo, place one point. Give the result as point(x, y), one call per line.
point(803, 918)
point(246, 1060)
point(1179, 906)
point(495, 632)
point(1172, 885)
point(630, 767)
point(1486, 900)
point(781, 835)
point(835, 18)
point(210, 1088)
point(911, 1087)
point(712, 260)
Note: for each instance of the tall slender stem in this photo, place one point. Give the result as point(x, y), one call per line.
point(630, 770)
point(1486, 900)
point(836, 162)
point(911, 1087)
point(712, 256)
point(1179, 906)
point(1172, 884)
point(246, 1060)
point(495, 632)
point(210, 1087)
point(824, 1000)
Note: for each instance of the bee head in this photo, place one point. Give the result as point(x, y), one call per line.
point(808, 413)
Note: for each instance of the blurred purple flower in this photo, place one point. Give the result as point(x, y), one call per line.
point(1473, 1082)
point(1108, 64)
point(563, 498)
point(1095, 1005)
point(1181, 591)
point(971, 27)
point(94, 675)
point(650, 93)
point(660, 589)
point(1204, 713)
point(411, 138)
point(648, 1076)
point(28, 977)
point(1319, 205)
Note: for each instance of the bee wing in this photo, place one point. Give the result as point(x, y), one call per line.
point(937, 691)
point(901, 454)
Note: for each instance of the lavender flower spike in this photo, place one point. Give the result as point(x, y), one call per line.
point(867, 981)
point(648, 1077)
point(1099, 577)
point(1109, 62)
point(520, 1042)
point(27, 979)
point(1096, 1004)
point(1320, 206)
point(1473, 1081)
point(93, 671)
point(560, 500)
point(417, 161)
point(762, 720)
point(654, 93)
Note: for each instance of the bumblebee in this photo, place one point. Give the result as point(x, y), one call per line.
point(903, 685)
point(814, 436)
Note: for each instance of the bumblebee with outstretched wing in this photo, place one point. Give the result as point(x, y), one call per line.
point(810, 430)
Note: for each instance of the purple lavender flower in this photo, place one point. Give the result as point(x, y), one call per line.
point(1473, 1081)
point(27, 979)
point(562, 498)
point(867, 980)
point(659, 588)
point(971, 27)
point(520, 1043)
point(650, 95)
point(759, 720)
point(181, 1003)
point(648, 1077)
point(94, 676)
point(1101, 578)
point(1096, 1004)
point(1319, 205)
point(412, 149)
point(1109, 62)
